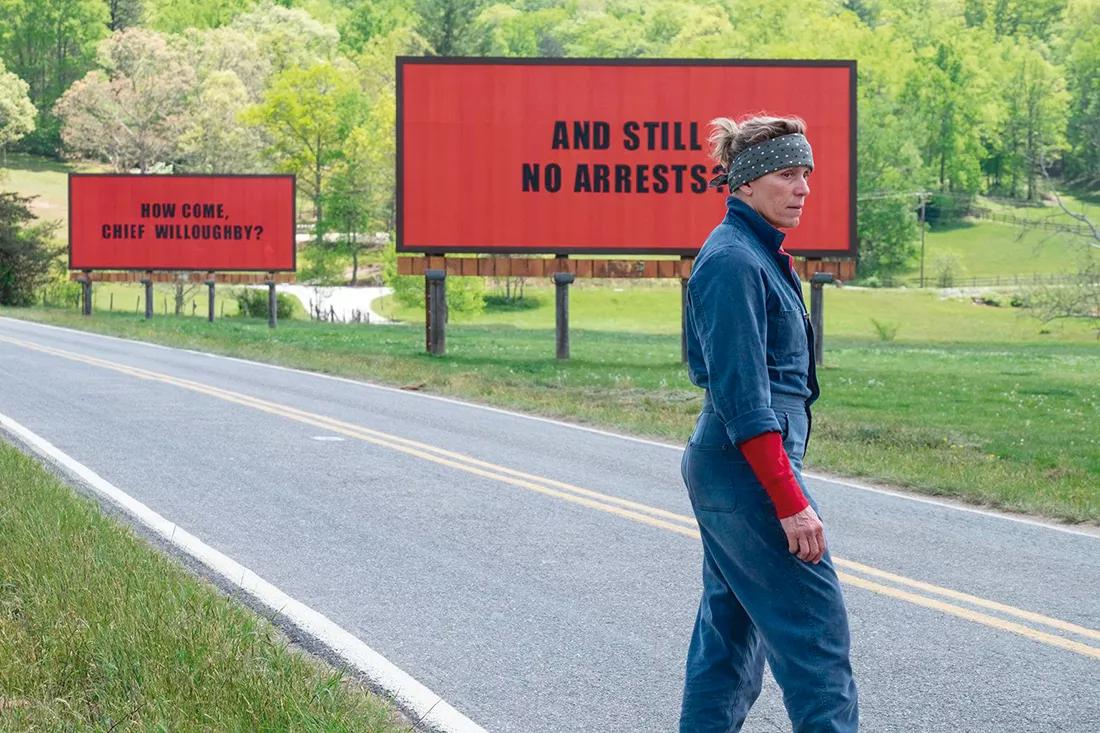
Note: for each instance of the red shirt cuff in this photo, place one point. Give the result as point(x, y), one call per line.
point(772, 468)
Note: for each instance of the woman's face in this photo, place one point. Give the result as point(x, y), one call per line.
point(779, 196)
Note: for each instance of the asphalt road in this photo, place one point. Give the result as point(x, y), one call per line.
point(543, 577)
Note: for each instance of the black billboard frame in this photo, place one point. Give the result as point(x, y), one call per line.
point(109, 268)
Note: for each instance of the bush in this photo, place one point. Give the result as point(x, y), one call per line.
point(871, 281)
point(25, 251)
point(61, 293)
point(886, 330)
point(252, 303)
point(464, 294)
point(502, 303)
point(946, 269)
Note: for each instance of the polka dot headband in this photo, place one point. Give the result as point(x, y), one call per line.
point(786, 151)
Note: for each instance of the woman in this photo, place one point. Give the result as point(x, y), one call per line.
point(769, 587)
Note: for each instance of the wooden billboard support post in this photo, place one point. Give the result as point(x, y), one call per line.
point(817, 312)
point(210, 283)
point(272, 301)
point(562, 281)
point(436, 310)
point(564, 272)
point(86, 291)
point(148, 283)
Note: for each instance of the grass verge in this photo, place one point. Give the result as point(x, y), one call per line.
point(99, 632)
point(1009, 425)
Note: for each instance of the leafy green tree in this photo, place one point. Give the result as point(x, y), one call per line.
point(48, 44)
point(1080, 52)
point(132, 113)
point(449, 25)
point(26, 250)
point(125, 14)
point(16, 111)
point(367, 19)
point(176, 16)
point(209, 51)
point(951, 93)
point(1036, 110)
point(288, 37)
point(513, 30)
point(307, 116)
point(215, 140)
point(1032, 19)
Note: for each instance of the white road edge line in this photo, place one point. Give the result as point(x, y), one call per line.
point(420, 702)
point(574, 426)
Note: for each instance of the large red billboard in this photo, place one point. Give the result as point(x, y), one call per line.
point(135, 222)
point(603, 156)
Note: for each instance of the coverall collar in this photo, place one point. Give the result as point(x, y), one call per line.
point(739, 211)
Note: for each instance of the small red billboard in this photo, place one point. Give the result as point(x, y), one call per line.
point(604, 156)
point(135, 222)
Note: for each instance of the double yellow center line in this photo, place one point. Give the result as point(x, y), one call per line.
point(927, 595)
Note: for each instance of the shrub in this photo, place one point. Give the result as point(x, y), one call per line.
point(464, 294)
point(946, 269)
point(886, 330)
point(25, 251)
point(506, 304)
point(252, 303)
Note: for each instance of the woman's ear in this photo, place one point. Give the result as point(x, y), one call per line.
point(745, 188)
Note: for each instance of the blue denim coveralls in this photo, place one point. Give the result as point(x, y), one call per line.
point(748, 343)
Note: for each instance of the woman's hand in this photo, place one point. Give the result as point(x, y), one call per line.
point(805, 535)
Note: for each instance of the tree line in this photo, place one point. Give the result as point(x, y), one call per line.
point(956, 97)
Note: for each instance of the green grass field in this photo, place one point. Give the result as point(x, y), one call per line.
point(100, 633)
point(849, 312)
point(1008, 424)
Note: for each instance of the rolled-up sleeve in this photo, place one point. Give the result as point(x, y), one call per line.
point(729, 316)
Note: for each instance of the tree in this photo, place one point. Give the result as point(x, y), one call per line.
point(175, 16)
point(215, 140)
point(307, 115)
point(449, 25)
point(368, 19)
point(16, 111)
point(25, 250)
point(130, 114)
point(288, 37)
point(1029, 18)
point(1078, 298)
point(951, 93)
point(228, 50)
point(48, 44)
point(1080, 53)
point(1036, 109)
point(124, 14)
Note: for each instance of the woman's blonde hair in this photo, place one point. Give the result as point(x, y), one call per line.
point(729, 137)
